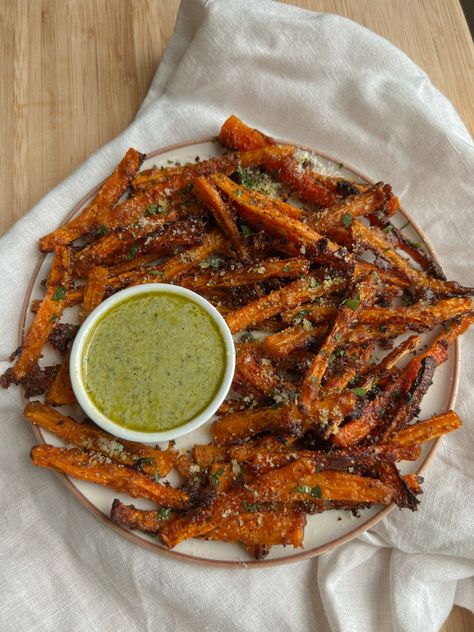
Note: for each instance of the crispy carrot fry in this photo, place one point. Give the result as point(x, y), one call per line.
point(142, 520)
point(359, 205)
point(249, 274)
point(262, 527)
point(402, 494)
point(60, 392)
point(221, 211)
point(108, 194)
point(354, 358)
point(321, 311)
point(48, 314)
point(261, 210)
point(80, 464)
point(122, 242)
point(94, 290)
point(258, 372)
point(352, 307)
point(422, 431)
point(376, 241)
point(171, 179)
point(297, 292)
point(236, 427)
point(284, 342)
point(207, 454)
point(175, 266)
point(236, 135)
point(89, 437)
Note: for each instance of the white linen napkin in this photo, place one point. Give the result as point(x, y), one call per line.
point(326, 82)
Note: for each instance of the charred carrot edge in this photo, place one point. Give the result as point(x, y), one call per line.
point(80, 464)
point(94, 290)
point(108, 194)
point(48, 314)
point(60, 392)
point(89, 437)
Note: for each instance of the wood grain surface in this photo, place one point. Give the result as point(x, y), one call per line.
point(74, 72)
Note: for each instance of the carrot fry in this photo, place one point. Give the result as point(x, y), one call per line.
point(207, 454)
point(297, 292)
point(94, 290)
point(89, 437)
point(143, 520)
point(261, 210)
point(236, 135)
point(60, 392)
point(48, 314)
point(423, 431)
point(312, 382)
point(254, 370)
point(248, 275)
point(221, 211)
point(284, 342)
point(80, 464)
point(175, 266)
point(109, 193)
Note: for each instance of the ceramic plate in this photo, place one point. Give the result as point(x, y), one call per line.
point(323, 531)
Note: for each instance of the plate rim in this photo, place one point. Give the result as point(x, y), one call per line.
point(203, 561)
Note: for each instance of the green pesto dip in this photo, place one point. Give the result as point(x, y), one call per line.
point(154, 362)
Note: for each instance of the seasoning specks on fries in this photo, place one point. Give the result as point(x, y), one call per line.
point(317, 422)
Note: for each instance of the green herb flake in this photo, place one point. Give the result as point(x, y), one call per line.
point(302, 489)
point(314, 378)
point(313, 282)
point(53, 318)
point(318, 468)
point(156, 272)
point(154, 209)
point(132, 252)
point(286, 269)
point(360, 392)
point(316, 492)
point(404, 225)
point(415, 244)
point(245, 230)
point(102, 230)
point(164, 512)
point(59, 294)
point(331, 358)
point(214, 479)
point(354, 303)
point(347, 219)
point(388, 228)
point(156, 474)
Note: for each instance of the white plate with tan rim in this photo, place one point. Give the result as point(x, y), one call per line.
point(323, 531)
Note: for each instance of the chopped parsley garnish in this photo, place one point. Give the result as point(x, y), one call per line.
point(313, 282)
point(302, 489)
point(164, 512)
point(102, 230)
point(53, 318)
point(316, 491)
point(414, 244)
point(214, 262)
point(214, 478)
point(353, 303)
point(59, 293)
point(252, 507)
point(245, 230)
point(331, 358)
point(346, 219)
point(388, 228)
point(132, 252)
point(360, 392)
point(154, 209)
point(156, 474)
point(156, 272)
point(404, 225)
point(286, 269)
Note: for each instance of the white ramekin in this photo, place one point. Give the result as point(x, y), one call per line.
point(78, 349)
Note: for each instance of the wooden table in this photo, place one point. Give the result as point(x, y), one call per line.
point(74, 73)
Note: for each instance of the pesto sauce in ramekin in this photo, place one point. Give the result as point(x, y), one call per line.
point(154, 362)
